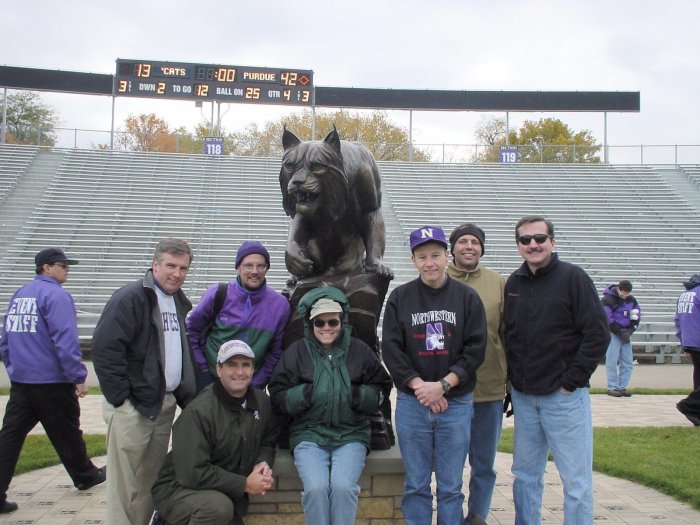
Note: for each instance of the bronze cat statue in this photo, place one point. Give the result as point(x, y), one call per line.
point(331, 191)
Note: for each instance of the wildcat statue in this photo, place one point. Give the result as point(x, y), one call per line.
point(331, 192)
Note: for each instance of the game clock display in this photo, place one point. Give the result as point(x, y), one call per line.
point(177, 80)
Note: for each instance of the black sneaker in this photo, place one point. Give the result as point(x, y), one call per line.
point(615, 393)
point(625, 392)
point(8, 506)
point(100, 477)
point(695, 420)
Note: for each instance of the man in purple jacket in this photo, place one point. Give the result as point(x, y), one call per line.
point(41, 352)
point(687, 322)
point(623, 313)
point(251, 311)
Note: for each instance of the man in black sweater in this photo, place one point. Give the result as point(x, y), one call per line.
point(556, 332)
point(433, 341)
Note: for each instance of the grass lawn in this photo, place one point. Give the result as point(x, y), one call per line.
point(662, 458)
point(39, 453)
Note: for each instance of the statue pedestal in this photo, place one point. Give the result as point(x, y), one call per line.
point(365, 292)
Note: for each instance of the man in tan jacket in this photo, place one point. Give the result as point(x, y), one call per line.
point(467, 246)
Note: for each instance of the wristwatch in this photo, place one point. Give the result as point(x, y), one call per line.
point(446, 386)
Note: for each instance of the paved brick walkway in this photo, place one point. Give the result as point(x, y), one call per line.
point(47, 497)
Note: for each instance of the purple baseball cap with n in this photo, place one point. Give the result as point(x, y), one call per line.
point(427, 234)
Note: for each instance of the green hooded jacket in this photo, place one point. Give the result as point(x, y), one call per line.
point(328, 394)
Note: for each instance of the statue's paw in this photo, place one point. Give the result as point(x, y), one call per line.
point(380, 269)
point(300, 267)
point(292, 281)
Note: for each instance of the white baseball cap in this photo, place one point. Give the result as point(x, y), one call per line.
point(325, 306)
point(233, 348)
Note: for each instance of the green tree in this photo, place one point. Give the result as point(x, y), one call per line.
point(547, 140)
point(385, 140)
point(29, 120)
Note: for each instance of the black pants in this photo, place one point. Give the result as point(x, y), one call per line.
point(692, 402)
point(57, 409)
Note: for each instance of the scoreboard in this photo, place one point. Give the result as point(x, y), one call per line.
point(223, 83)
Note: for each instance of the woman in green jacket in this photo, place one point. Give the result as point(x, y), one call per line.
point(328, 383)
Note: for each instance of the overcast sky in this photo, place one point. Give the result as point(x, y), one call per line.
point(620, 45)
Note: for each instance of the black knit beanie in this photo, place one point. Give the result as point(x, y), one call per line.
point(467, 229)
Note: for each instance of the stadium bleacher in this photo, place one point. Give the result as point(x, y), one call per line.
point(14, 161)
point(109, 208)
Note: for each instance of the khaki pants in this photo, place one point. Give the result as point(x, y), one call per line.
point(136, 448)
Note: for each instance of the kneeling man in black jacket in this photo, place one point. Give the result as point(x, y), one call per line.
point(223, 447)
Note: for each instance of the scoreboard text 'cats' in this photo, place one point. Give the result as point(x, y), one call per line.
point(185, 81)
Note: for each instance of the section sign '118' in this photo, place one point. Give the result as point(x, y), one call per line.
point(178, 80)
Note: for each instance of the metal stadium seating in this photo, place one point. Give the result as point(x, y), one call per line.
point(108, 209)
point(14, 161)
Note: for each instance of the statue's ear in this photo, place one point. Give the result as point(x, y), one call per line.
point(289, 139)
point(333, 140)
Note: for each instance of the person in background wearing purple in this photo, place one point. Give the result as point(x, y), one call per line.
point(251, 311)
point(41, 351)
point(688, 333)
point(623, 314)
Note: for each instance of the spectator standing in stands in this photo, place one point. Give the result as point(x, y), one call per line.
point(143, 362)
point(556, 332)
point(41, 352)
point(688, 332)
point(433, 341)
point(223, 447)
point(467, 244)
point(623, 314)
point(251, 311)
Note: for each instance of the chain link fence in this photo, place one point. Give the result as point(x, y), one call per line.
point(661, 154)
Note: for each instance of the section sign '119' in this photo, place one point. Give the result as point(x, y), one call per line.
point(178, 80)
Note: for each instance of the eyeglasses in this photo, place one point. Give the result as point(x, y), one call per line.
point(540, 238)
point(249, 267)
point(62, 265)
point(320, 323)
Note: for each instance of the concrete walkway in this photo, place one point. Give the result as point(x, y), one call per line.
point(47, 497)
point(643, 376)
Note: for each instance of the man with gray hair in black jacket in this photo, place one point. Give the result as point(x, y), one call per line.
point(142, 359)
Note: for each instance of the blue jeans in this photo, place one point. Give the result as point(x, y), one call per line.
point(330, 477)
point(485, 433)
point(619, 354)
point(437, 442)
point(562, 423)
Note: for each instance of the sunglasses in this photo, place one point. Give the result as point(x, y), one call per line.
point(540, 238)
point(62, 265)
point(320, 323)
